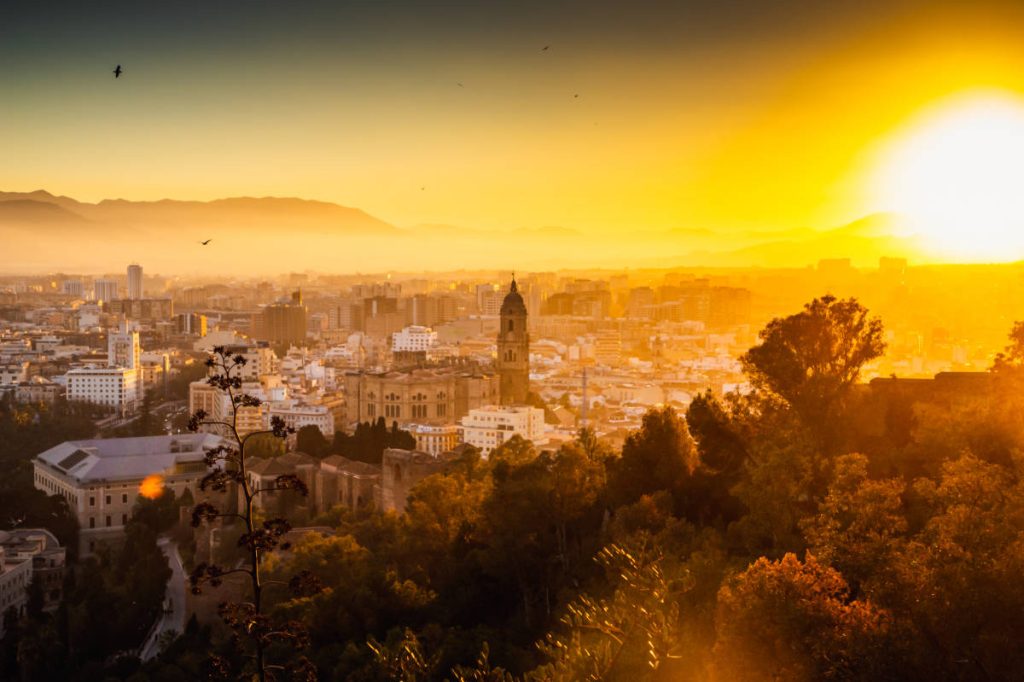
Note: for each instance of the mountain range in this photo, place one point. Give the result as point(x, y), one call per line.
point(46, 232)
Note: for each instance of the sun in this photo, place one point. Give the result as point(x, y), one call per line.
point(955, 174)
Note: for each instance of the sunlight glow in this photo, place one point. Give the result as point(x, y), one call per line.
point(955, 176)
point(152, 486)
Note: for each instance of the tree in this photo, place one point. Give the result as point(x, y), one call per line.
point(958, 579)
point(660, 456)
point(859, 524)
point(247, 619)
point(636, 630)
point(793, 620)
point(310, 439)
point(722, 456)
point(265, 445)
point(812, 358)
point(368, 442)
point(1012, 357)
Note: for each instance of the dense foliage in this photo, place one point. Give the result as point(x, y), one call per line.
point(368, 442)
point(816, 528)
point(110, 602)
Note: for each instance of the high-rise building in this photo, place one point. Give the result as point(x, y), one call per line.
point(513, 361)
point(134, 281)
point(283, 322)
point(191, 323)
point(72, 287)
point(123, 348)
point(104, 290)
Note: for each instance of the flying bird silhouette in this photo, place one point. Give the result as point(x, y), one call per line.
point(545, 48)
point(459, 84)
point(206, 242)
point(117, 71)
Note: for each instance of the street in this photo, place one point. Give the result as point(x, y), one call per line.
point(175, 593)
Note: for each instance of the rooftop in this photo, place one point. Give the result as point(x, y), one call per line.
point(126, 458)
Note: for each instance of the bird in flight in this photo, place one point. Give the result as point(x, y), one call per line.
point(117, 71)
point(459, 84)
point(206, 242)
point(545, 48)
point(576, 96)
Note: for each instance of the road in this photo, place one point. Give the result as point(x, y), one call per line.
point(175, 592)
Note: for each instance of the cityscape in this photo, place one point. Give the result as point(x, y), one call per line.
point(507, 368)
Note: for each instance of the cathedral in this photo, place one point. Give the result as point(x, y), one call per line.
point(513, 363)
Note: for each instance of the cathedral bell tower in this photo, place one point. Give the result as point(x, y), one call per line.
point(513, 362)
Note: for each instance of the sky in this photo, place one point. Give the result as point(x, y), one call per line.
point(641, 115)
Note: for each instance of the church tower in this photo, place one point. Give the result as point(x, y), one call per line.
point(513, 349)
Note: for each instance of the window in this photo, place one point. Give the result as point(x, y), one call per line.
point(124, 519)
point(124, 498)
point(108, 502)
point(108, 522)
point(511, 325)
point(92, 521)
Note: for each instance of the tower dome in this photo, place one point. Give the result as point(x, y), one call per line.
point(513, 303)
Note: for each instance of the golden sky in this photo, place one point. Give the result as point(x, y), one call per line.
point(656, 116)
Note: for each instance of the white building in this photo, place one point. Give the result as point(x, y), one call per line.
point(434, 439)
point(27, 555)
point(13, 373)
point(104, 289)
point(102, 479)
point(296, 415)
point(135, 281)
point(414, 338)
point(489, 427)
point(123, 349)
point(72, 287)
point(115, 387)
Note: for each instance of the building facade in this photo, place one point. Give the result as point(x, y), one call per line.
point(104, 290)
point(400, 471)
point(283, 322)
point(424, 396)
point(29, 555)
point(490, 427)
point(115, 387)
point(434, 440)
point(135, 282)
point(413, 339)
point(101, 478)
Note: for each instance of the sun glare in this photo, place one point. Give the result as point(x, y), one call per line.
point(954, 175)
point(152, 486)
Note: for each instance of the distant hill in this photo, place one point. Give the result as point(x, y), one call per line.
point(240, 212)
point(31, 211)
point(257, 235)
